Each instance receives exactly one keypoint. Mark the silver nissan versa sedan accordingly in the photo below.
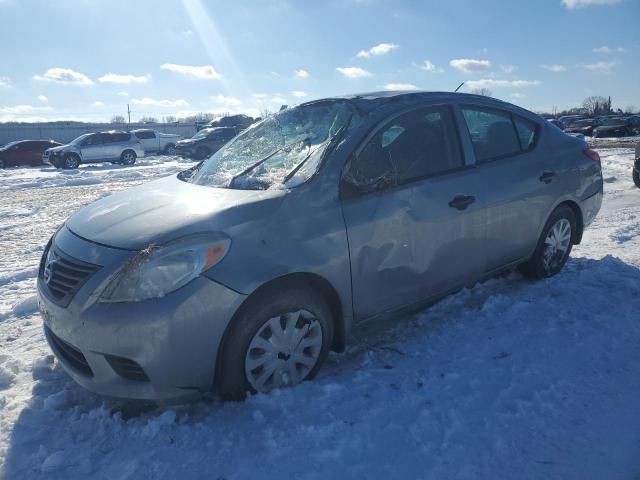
(242, 273)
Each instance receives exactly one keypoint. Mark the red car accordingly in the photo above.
(24, 152)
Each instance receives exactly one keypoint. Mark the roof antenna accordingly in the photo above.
(456, 90)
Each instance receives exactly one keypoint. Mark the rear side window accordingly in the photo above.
(145, 134)
(497, 134)
(415, 145)
(526, 132)
(119, 137)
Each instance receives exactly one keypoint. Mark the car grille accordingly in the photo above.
(69, 353)
(62, 275)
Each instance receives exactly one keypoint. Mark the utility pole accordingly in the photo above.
(129, 115)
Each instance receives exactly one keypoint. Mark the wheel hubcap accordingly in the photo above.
(556, 245)
(283, 351)
(128, 158)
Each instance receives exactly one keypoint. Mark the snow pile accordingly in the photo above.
(510, 379)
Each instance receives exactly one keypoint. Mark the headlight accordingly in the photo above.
(159, 270)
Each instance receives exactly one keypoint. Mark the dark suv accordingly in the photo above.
(205, 143)
(24, 152)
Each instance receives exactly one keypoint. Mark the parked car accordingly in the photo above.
(114, 147)
(157, 142)
(556, 123)
(568, 120)
(204, 143)
(24, 152)
(636, 167)
(584, 126)
(239, 122)
(613, 127)
(241, 273)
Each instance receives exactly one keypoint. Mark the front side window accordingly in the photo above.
(284, 150)
(415, 145)
(492, 133)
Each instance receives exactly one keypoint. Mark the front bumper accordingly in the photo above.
(185, 150)
(173, 340)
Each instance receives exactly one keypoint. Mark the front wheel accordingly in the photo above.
(554, 245)
(278, 340)
(170, 150)
(71, 161)
(128, 157)
(636, 177)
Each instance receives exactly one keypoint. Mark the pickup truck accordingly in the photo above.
(157, 142)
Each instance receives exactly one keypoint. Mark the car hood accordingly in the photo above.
(169, 208)
(60, 148)
(188, 141)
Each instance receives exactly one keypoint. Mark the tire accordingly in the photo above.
(636, 177)
(546, 260)
(170, 150)
(128, 157)
(202, 153)
(306, 310)
(71, 161)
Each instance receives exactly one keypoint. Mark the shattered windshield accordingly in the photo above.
(282, 151)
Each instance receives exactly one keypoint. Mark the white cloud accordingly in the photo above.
(302, 73)
(278, 99)
(205, 72)
(160, 103)
(587, 3)
(64, 75)
(517, 95)
(492, 83)
(601, 67)
(299, 93)
(23, 113)
(224, 100)
(42, 98)
(123, 94)
(97, 103)
(400, 86)
(260, 95)
(508, 68)
(353, 72)
(606, 49)
(380, 49)
(5, 82)
(469, 65)
(124, 79)
(556, 68)
(428, 66)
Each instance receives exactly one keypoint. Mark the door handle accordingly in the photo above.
(462, 201)
(547, 177)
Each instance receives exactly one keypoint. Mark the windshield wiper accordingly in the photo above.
(262, 160)
(329, 142)
(255, 165)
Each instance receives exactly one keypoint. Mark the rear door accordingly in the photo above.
(520, 184)
(414, 221)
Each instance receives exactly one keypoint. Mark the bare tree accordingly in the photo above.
(170, 119)
(597, 105)
(485, 92)
(117, 119)
(265, 112)
(148, 119)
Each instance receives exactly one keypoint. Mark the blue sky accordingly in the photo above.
(86, 59)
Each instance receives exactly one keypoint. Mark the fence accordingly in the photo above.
(64, 133)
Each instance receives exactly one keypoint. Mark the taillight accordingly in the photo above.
(592, 154)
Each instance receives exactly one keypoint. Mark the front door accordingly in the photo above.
(413, 214)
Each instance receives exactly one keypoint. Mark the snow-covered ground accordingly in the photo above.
(511, 379)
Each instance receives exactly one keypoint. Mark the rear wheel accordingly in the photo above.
(278, 340)
(128, 157)
(71, 161)
(636, 177)
(170, 150)
(554, 245)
